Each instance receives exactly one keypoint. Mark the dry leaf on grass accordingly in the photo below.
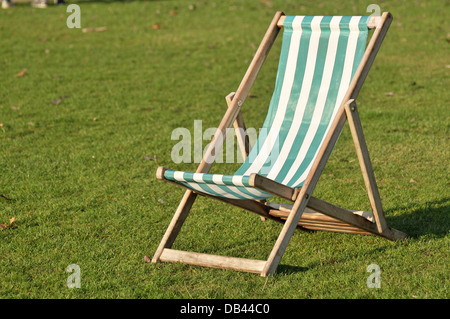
(58, 101)
(21, 73)
(99, 29)
(11, 221)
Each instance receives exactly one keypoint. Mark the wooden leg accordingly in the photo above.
(305, 193)
(240, 129)
(366, 166)
(176, 223)
(283, 239)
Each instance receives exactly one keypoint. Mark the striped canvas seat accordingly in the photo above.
(318, 59)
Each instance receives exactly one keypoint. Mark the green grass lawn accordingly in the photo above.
(80, 132)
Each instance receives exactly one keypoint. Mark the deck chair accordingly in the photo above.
(323, 63)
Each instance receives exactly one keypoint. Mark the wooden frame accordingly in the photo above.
(306, 212)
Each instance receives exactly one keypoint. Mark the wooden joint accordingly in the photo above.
(350, 106)
(160, 172)
(295, 194)
(252, 179)
(230, 97)
(350, 102)
(271, 186)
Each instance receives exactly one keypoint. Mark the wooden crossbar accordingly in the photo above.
(216, 261)
(373, 22)
(317, 221)
(270, 186)
(321, 214)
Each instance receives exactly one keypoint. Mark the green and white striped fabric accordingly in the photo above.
(319, 57)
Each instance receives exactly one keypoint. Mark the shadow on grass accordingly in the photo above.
(289, 269)
(431, 218)
(417, 220)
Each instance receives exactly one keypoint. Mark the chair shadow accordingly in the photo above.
(431, 218)
(421, 219)
(288, 269)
